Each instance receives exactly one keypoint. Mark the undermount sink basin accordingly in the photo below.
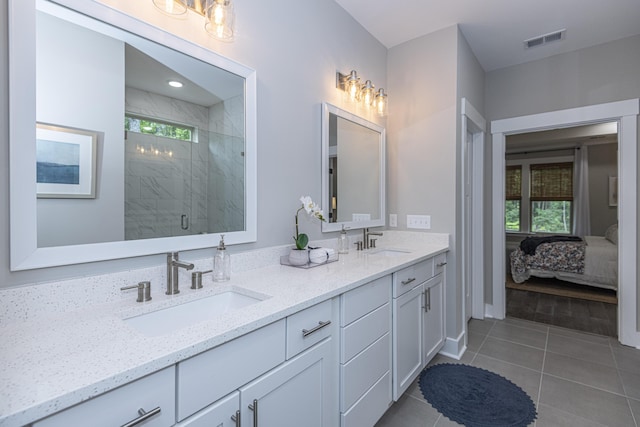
(170, 319)
(389, 252)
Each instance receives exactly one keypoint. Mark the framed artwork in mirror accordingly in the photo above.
(65, 162)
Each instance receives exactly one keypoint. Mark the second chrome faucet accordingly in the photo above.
(173, 264)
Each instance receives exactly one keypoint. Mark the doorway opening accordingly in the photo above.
(625, 113)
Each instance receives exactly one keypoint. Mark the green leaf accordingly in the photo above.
(301, 241)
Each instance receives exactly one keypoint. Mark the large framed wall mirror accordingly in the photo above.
(174, 167)
(353, 170)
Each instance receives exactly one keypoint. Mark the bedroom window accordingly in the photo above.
(551, 197)
(513, 180)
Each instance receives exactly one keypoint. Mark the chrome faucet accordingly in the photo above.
(173, 264)
(366, 234)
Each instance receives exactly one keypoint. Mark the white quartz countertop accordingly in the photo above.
(53, 361)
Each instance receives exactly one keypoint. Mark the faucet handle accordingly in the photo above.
(373, 243)
(196, 279)
(144, 290)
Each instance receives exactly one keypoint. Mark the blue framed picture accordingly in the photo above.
(65, 162)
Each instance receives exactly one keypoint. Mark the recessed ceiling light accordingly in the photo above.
(175, 83)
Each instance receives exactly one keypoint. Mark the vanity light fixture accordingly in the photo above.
(220, 19)
(381, 102)
(365, 93)
(219, 14)
(171, 7)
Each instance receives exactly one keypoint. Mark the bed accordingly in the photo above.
(593, 261)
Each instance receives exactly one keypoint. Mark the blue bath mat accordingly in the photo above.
(476, 397)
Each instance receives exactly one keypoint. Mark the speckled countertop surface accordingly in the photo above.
(52, 361)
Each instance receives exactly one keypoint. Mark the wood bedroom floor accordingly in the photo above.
(585, 315)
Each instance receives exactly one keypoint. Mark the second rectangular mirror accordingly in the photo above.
(353, 170)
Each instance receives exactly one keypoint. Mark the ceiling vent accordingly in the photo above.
(545, 38)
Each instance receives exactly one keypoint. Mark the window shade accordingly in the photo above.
(552, 181)
(513, 181)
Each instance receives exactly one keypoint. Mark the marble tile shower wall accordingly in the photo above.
(203, 181)
(226, 174)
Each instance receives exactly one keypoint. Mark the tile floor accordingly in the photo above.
(574, 378)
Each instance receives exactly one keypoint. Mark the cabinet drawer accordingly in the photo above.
(308, 327)
(364, 331)
(406, 279)
(370, 407)
(439, 261)
(364, 370)
(360, 301)
(218, 415)
(119, 406)
(208, 376)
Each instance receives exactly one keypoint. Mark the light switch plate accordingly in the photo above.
(422, 222)
(393, 220)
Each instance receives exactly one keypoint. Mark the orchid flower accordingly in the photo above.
(312, 210)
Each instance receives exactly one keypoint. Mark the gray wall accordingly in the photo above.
(594, 75)
(603, 163)
(427, 77)
(296, 59)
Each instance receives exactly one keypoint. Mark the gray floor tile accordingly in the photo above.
(635, 409)
(520, 335)
(446, 422)
(580, 349)
(481, 327)
(516, 354)
(526, 379)
(549, 416)
(586, 402)
(598, 339)
(631, 383)
(467, 357)
(627, 358)
(581, 371)
(409, 412)
(525, 324)
(474, 341)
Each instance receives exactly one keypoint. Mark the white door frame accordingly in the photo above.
(473, 122)
(626, 114)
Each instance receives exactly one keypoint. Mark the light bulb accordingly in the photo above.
(368, 96)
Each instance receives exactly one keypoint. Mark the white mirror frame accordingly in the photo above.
(328, 109)
(25, 253)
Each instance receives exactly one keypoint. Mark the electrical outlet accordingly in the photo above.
(393, 220)
(419, 221)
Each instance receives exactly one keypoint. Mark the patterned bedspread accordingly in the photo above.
(558, 256)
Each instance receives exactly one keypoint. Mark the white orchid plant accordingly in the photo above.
(313, 211)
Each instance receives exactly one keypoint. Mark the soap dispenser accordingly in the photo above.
(221, 263)
(343, 242)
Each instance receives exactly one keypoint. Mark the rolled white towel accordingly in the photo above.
(322, 255)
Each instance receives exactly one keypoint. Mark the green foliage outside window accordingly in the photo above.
(551, 216)
(512, 215)
(158, 128)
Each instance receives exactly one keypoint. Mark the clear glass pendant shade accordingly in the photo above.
(220, 19)
(171, 7)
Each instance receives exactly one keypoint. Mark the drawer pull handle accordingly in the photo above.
(236, 418)
(254, 408)
(144, 416)
(307, 332)
(442, 264)
(406, 282)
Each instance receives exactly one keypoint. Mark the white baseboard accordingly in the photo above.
(454, 347)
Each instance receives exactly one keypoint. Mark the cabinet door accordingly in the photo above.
(407, 339)
(218, 414)
(300, 392)
(433, 317)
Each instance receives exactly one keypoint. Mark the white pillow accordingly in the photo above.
(612, 234)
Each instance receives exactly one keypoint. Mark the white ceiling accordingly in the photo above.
(496, 29)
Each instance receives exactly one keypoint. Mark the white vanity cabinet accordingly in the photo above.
(418, 319)
(154, 394)
(365, 353)
(283, 374)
